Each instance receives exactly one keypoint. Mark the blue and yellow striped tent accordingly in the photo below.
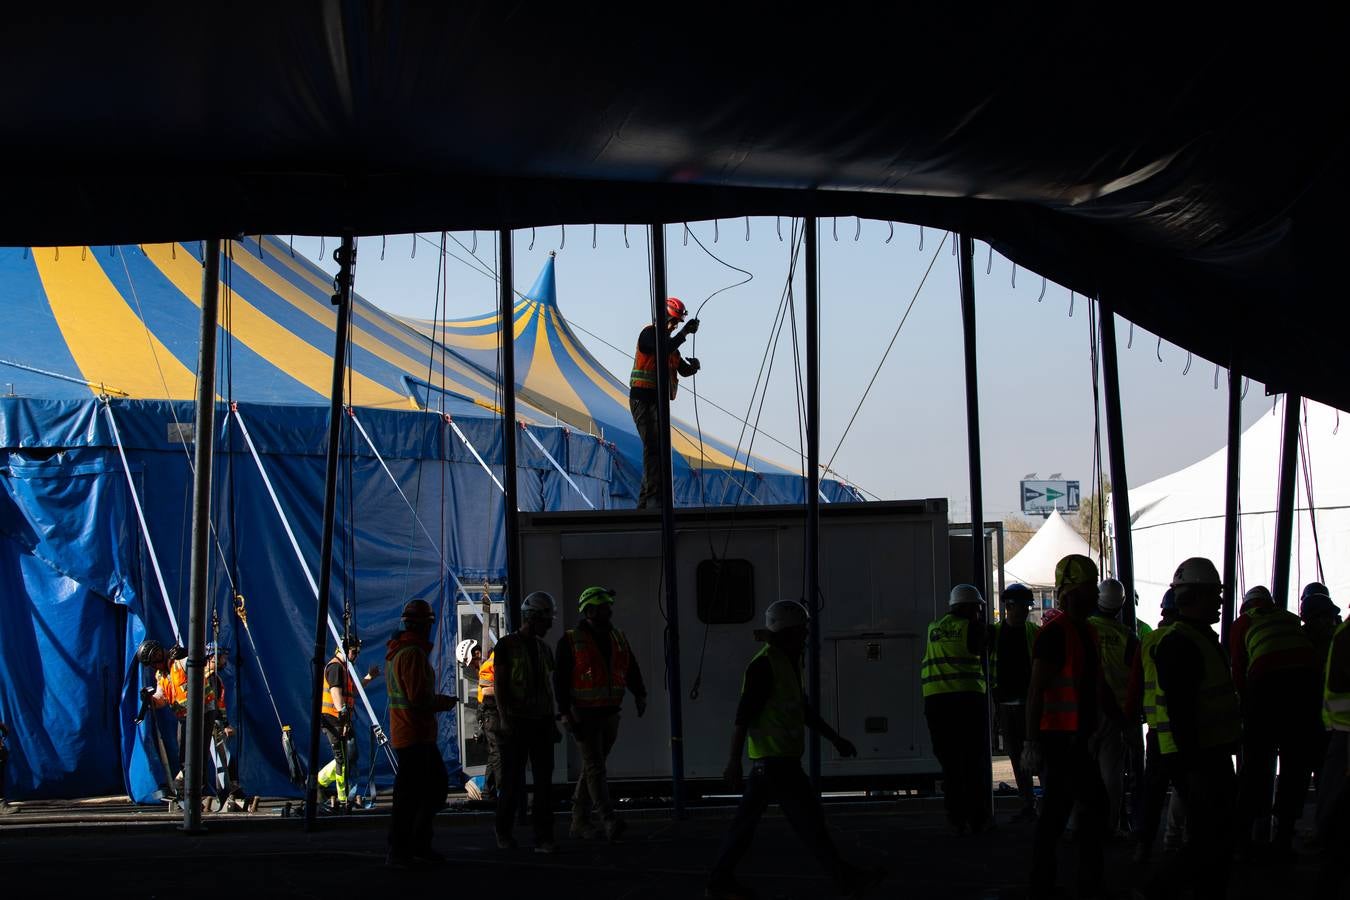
(123, 321)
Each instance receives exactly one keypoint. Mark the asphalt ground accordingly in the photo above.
(120, 851)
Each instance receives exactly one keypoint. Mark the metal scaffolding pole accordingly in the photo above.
(672, 594)
(812, 561)
(194, 757)
(1123, 548)
(346, 260)
(512, 595)
(1230, 521)
(1284, 505)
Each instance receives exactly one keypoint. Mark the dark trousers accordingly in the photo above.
(1282, 717)
(528, 742)
(956, 723)
(646, 418)
(1333, 815)
(1070, 776)
(487, 719)
(1157, 778)
(595, 736)
(419, 793)
(780, 781)
(1012, 724)
(1206, 783)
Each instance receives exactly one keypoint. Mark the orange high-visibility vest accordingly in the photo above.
(644, 371)
(594, 683)
(487, 677)
(1062, 702)
(172, 687)
(348, 688)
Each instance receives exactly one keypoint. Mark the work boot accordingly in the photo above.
(614, 829)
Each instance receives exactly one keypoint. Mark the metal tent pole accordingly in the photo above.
(812, 561)
(346, 260)
(672, 594)
(203, 447)
(1284, 506)
(506, 328)
(1122, 547)
(1230, 521)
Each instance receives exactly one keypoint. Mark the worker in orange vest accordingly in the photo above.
(594, 668)
(642, 399)
(338, 718)
(1062, 710)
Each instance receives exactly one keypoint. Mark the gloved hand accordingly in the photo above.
(641, 703)
(373, 673)
(691, 327)
(694, 363)
(147, 693)
(1033, 758)
(845, 748)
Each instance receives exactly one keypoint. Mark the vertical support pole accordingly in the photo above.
(812, 561)
(965, 261)
(511, 595)
(674, 688)
(346, 260)
(1284, 504)
(1115, 450)
(194, 757)
(1230, 518)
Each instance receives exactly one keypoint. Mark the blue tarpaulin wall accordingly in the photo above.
(77, 591)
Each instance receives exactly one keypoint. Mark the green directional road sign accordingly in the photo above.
(1041, 497)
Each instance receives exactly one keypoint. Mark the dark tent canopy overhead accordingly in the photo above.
(1187, 179)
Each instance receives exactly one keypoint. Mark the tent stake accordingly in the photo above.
(203, 436)
(1230, 519)
(1284, 506)
(674, 690)
(346, 259)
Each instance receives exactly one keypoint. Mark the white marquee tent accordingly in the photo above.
(1034, 564)
(1182, 514)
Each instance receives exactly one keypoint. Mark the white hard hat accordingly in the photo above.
(1196, 571)
(464, 651)
(1257, 596)
(784, 614)
(964, 593)
(539, 603)
(1111, 594)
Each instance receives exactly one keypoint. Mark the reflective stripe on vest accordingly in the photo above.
(1273, 630)
(397, 698)
(1218, 711)
(172, 687)
(532, 690)
(779, 731)
(1059, 711)
(346, 688)
(995, 630)
(644, 371)
(1147, 648)
(948, 666)
(1112, 639)
(487, 677)
(596, 683)
(1336, 705)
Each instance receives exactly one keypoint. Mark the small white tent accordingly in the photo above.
(1182, 514)
(1034, 565)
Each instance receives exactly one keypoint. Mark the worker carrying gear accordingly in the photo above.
(526, 726)
(1061, 717)
(337, 718)
(1010, 644)
(954, 701)
(1199, 725)
(594, 667)
(771, 721)
(642, 399)
(421, 783)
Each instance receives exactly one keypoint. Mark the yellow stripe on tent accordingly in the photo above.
(296, 357)
(106, 337)
(545, 378)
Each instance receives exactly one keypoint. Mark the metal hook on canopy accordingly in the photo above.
(84, 253)
(747, 229)
(473, 248)
(955, 240)
(834, 228)
(1014, 275)
(1045, 283)
(890, 234)
(1070, 304)
(625, 236)
(778, 226)
(563, 244)
(715, 231)
(1187, 368)
(292, 246)
(989, 266)
(920, 238)
(1158, 352)
(1129, 341)
(857, 231)
(531, 238)
(594, 234)
(384, 243)
(260, 249)
(414, 247)
(686, 235)
(1216, 376)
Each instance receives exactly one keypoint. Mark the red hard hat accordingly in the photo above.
(675, 308)
(418, 611)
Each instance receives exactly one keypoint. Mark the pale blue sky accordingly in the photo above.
(909, 440)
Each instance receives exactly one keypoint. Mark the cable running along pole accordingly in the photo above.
(813, 495)
(346, 259)
(1230, 523)
(1115, 451)
(507, 330)
(204, 444)
(672, 598)
(1284, 506)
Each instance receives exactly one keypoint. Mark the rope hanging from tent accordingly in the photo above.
(1305, 455)
(1098, 480)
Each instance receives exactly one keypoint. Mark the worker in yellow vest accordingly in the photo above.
(771, 721)
(1115, 737)
(1199, 725)
(1062, 717)
(594, 668)
(1276, 673)
(1144, 699)
(1333, 782)
(642, 399)
(954, 703)
(1010, 642)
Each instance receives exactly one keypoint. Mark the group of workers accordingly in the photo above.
(1069, 698)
